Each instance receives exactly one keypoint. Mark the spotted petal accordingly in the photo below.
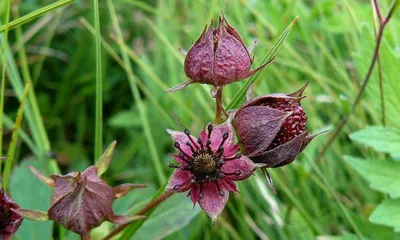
(179, 181)
(212, 202)
(242, 165)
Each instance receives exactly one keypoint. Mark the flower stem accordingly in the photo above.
(342, 123)
(219, 107)
(154, 203)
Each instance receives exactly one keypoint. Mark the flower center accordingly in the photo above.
(204, 164)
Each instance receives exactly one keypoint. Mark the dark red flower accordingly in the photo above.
(208, 167)
(9, 220)
(272, 128)
(218, 57)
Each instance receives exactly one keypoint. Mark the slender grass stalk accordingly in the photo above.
(41, 136)
(98, 139)
(345, 119)
(3, 77)
(33, 15)
(376, 13)
(22, 134)
(14, 139)
(135, 91)
(52, 29)
(142, 87)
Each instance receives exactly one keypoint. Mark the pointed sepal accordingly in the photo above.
(123, 189)
(48, 181)
(34, 215)
(104, 162)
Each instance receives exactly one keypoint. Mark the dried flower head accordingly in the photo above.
(272, 128)
(208, 167)
(9, 220)
(218, 57)
(82, 201)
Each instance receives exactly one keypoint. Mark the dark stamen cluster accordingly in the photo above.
(204, 163)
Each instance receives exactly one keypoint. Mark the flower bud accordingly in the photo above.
(82, 201)
(218, 57)
(272, 128)
(9, 220)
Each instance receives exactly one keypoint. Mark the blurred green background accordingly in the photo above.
(330, 46)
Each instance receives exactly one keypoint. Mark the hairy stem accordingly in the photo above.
(219, 107)
(154, 203)
(342, 123)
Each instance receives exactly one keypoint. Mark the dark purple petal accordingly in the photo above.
(283, 154)
(182, 139)
(203, 136)
(199, 59)
(231, 150)
(238, 169)
(257, 126)
(195, 193)
(212, 201)
(178, 159)
(9, 219)
(179, 181)
(229, 185)
(217, 136)
(232, 60)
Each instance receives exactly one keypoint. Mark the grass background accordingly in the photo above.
(330, 46)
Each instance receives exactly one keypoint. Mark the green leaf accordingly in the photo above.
(382, 175)
(381, 139)
(388, 213)
(30, 193)
(270, 55)
(169, 217)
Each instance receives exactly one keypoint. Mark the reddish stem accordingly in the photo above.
(142, 211)
(345, 119)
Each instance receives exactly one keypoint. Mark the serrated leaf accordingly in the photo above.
(30, 193)
(270, 55)
(388, 213)
(381, 139)
(382, 175)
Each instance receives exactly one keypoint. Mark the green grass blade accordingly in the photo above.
(142, 109)
(98, 139)
(3, 76)
(22, 134)
(35, 14)
(271, 54)
(14, 139)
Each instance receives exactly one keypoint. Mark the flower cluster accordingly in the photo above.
(271, 129)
